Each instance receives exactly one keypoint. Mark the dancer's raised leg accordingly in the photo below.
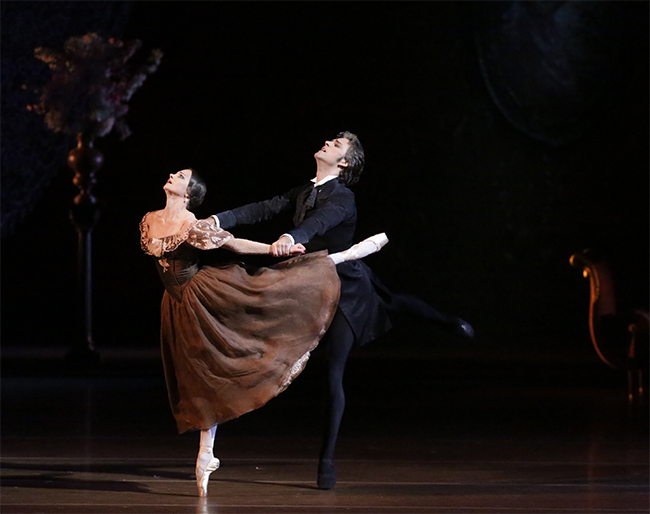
(402, 308)
(206, 462)
(360, 250)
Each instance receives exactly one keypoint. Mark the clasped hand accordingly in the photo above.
(283, 248)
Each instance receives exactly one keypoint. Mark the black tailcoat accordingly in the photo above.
(329, 225)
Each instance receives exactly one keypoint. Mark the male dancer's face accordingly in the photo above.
(333, 152)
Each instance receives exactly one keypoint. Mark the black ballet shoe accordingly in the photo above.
(464, 329)
(326, 474)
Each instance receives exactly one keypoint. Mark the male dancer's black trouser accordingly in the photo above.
(339, 341)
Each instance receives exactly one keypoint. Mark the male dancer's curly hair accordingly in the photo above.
(356, 159)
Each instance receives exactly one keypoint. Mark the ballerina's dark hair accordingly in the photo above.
(356, 158)
(196, 190)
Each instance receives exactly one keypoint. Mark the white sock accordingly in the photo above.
(360, 250)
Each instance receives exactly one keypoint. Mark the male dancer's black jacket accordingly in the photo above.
(329, 225)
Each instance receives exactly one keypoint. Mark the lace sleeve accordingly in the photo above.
(148, 245)
(204, 236)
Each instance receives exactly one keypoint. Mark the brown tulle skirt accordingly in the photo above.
(238, 338)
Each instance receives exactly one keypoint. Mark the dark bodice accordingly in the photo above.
(182, 265)
(177, 256)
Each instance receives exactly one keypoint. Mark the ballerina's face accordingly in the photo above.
(178, 182)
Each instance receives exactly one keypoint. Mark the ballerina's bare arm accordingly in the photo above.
(253, 247)
(205, 235)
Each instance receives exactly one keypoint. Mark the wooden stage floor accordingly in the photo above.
(418, 437)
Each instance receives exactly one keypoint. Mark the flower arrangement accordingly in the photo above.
(91, 85)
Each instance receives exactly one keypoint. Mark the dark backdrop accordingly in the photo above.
(500, 138)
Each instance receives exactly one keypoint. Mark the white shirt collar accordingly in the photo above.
(326, 179)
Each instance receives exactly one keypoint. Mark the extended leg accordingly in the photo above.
(405, 305)
(339, 340)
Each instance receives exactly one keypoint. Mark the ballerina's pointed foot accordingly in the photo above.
(380, 240)
(360, 250)
(368, 246)
(203, 475)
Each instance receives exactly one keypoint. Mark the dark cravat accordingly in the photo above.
(307, 204)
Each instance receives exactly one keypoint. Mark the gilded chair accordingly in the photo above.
(619, 334)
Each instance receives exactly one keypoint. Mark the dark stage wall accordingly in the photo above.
(500, 138)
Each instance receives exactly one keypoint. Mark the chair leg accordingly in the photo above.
(632, 393)
(640, 387)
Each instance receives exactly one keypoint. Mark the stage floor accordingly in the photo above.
(418, 437)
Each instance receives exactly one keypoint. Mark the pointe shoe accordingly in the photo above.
(326, 474)
(360, 250)
(203, 475)
(380, 240)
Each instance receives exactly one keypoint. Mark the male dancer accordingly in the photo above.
(325, 219)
